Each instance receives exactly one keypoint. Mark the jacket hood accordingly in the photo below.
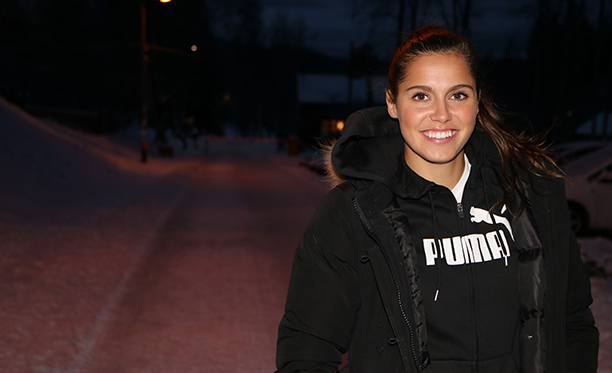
(371, 148)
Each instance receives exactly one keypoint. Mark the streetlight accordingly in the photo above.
(144, 117)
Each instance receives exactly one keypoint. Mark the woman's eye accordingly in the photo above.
(420, 96)
(459, 96)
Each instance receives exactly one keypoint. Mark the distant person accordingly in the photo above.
(445, 246)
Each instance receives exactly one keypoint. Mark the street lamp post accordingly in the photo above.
(144, 111)
(144, 115)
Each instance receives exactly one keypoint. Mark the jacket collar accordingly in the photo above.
(371, 148)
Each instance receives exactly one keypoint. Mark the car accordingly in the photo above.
(588, 187)
(568, 151)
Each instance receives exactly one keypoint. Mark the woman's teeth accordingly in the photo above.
(439, 134)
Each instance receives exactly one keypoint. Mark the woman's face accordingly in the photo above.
(436, 105)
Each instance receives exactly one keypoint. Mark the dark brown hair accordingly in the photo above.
(519, 152)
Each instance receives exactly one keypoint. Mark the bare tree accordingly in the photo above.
(568, 73)
(456, 14)
(412, 14)
(287, 34)
(396, 10)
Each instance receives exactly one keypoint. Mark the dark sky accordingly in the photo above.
(493, 24)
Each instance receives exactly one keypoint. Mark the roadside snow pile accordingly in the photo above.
(597, 255)
(47, 167)
(40, 165)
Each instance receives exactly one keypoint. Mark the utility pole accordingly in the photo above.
(144, 111)
(351, 72)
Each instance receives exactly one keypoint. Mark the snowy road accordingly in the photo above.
(181, 276)
(180, 265)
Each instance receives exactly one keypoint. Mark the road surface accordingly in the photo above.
(185, 273)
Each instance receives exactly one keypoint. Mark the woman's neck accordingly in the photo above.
(446, 174)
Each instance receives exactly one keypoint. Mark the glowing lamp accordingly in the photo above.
(340, 125)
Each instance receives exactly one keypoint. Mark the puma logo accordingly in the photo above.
(483, 216)
(472, 248)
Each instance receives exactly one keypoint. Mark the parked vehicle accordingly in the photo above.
(569, 151)
(589, 190)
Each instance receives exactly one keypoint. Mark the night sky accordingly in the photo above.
(494, 24)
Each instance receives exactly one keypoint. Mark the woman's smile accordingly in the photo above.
(437, 134)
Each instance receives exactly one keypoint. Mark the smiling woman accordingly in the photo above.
(447, 246)
(436, 106)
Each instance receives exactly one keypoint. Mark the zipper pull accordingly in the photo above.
(460, 210)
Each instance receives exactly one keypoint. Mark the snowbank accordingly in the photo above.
(46, 166)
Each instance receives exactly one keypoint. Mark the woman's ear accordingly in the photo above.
(391, 107)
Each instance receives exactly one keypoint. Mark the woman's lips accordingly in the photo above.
(434, 134)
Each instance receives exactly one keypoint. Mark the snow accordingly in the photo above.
(597, 253)
(48, 168)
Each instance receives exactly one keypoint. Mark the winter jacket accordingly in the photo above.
(355, 285)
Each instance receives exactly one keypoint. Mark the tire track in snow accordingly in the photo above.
(81, 358)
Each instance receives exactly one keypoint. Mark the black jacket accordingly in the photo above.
(355, 280)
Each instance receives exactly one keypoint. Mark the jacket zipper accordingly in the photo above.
(472, 300)
(395, 281)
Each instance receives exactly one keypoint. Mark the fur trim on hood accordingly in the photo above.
(333, 177)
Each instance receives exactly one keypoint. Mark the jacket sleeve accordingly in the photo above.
(582, 337)
(323, 298)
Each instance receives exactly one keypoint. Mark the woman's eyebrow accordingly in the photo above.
(458, 86)
(429, 89)
(420, 87)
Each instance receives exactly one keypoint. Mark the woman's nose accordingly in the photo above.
(440, 112)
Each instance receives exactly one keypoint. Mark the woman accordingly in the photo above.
(448, 248)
